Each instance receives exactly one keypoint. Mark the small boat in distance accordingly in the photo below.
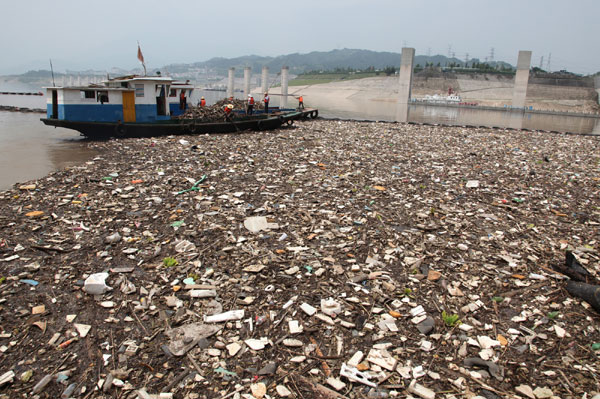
(436, 98)
(145, 106)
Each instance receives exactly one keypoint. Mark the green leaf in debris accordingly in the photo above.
(450, 320)
(170, 262)
(497, 299)
(177, 223)
(2, 280)
(596, 346)
(552, 315)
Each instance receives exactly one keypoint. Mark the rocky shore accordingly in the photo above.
(327, 259)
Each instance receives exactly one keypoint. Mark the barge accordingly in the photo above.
(146, 106)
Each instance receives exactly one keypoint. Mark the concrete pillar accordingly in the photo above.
(265, 79)
(247, 73)
(521, 79)
(230, 82)
(597, 86)
(405, 83)
(406, 71)
(284, 87)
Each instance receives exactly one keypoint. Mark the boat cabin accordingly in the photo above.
(124, 99)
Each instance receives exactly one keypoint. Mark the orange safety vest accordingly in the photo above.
(202, 102)
(266, 99)
(251, 101)
(301, 99)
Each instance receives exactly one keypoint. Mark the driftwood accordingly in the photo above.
(312, 389)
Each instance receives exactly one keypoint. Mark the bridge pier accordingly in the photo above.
(284, 86)
(405, 83)
(521, 79)
(230, 81)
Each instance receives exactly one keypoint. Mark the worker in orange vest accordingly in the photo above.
(182, 100)
(250, 107)
(266, 101)
(202, 102)
(227, 110)
(301, 102)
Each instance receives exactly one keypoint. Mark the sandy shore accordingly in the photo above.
(380, 93)
(417, 254)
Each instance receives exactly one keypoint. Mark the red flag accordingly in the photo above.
(140, 55)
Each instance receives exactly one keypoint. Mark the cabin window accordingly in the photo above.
(124, 85)
(102, 97)
(173, 93)
(139, 90)
(88, 94)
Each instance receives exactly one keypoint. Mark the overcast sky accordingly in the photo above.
(83, 34)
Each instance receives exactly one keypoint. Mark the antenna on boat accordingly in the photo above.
(52, 70)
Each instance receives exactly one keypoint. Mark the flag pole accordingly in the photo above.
(52, 70)
(140, 57)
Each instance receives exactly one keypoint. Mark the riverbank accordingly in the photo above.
(435, 245)
(493, 91)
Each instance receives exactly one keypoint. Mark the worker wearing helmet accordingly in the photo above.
(266, 101)
(228, 108)
(202, 102)
(250, 107)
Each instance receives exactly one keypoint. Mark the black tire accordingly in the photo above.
(120, 130)
(314, 114)
(290, 122)
(259, 125)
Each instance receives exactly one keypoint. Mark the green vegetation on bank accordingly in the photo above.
(339, 74)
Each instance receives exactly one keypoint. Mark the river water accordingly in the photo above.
(30, 150)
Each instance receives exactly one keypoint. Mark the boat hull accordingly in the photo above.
(105, 130)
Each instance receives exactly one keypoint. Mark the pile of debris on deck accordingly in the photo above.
(216, 112)
(330, 259)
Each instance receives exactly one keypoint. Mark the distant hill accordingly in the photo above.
(316, 61)
(298, 63)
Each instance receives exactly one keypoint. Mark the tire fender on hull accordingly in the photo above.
(120, 130)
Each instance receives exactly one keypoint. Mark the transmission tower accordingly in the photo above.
(542, 62)
(549, 57)
(428, 51)
(492, 54)
(449, 51)
(466, 59)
